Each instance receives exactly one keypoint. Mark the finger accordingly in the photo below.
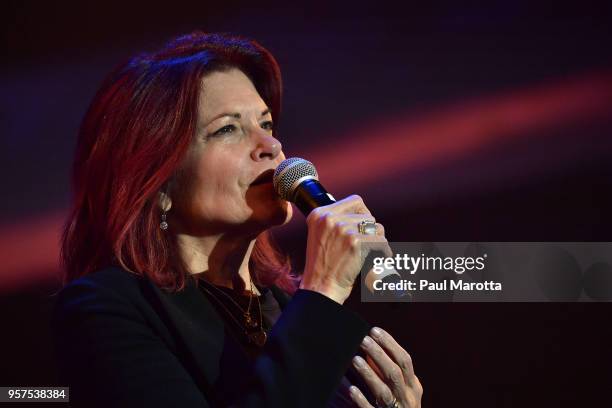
(397, 353)
(374, 242)
(379, 389)
(418, 387)
(392, 374)
(351, 223)
(351, 204)
(355, 218)
(374, 367)
(352, 219)
(335, 213)
(358, 398)
(381, 243)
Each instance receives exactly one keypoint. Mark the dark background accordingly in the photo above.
(456, 122)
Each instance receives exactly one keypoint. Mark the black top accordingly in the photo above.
(122, 341)
(231, 306)
(270, 312)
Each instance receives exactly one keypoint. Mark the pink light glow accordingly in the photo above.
(30, 249)
(415, 141)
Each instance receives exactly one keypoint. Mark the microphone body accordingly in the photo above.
(309, 195)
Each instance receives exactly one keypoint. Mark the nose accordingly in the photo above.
(267, 147)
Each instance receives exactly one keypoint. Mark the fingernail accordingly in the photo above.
(367, 341)
(359, 362)
(376, 332)
(353, 390)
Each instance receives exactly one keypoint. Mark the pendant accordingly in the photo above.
(249, 322)
(259, 338)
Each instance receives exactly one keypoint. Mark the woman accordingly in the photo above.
(175, 294)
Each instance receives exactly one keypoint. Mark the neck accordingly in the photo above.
(220, 259)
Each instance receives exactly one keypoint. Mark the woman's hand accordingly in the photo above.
(388, 372)
(333, 252)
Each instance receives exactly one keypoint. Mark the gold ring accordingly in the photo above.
(392, 404)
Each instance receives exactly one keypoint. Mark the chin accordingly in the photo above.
(273, 215)
(283, 214)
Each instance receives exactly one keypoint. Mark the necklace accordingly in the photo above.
(248, 319)
(257, 337)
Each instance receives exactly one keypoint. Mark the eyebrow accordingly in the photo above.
(235, 115)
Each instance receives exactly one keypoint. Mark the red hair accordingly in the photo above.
(132, 141)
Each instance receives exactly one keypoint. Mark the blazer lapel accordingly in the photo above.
(197, 328)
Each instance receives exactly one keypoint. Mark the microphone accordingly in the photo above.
(296, 180)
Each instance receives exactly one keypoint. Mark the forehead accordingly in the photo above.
(229, 90)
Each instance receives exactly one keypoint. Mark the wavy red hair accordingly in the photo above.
(131, 142)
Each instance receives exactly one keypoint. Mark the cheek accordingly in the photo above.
(217, 184)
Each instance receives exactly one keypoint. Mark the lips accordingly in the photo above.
(264, 178)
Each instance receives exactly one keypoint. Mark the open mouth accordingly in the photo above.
(264, 178)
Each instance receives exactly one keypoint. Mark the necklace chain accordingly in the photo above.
(259, 337)
(247, 313)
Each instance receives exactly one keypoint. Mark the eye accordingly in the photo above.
(268, 125)
(224, 130)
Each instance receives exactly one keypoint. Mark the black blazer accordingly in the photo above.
(121, 341)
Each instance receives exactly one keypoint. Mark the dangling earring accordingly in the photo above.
(163, 224)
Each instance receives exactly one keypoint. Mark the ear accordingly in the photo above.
(165, 202)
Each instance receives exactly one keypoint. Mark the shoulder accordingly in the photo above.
(112, 277)
(99, 290)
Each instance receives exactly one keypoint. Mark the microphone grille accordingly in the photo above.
(289, 172)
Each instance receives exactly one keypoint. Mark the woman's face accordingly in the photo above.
(233, 146)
